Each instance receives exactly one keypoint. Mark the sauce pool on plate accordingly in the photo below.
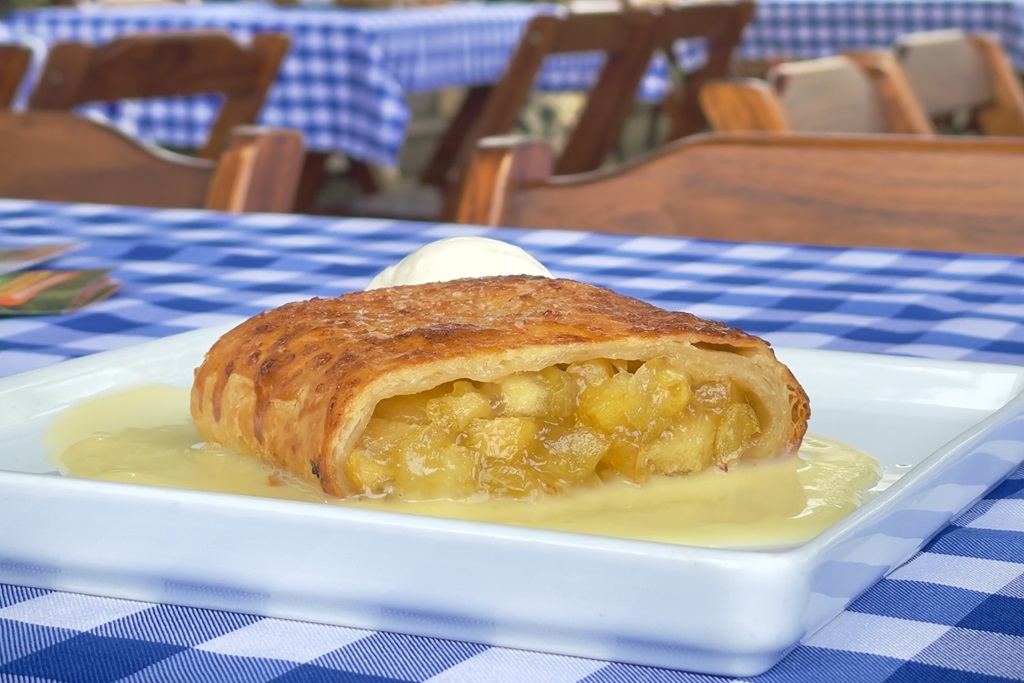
(146, 436)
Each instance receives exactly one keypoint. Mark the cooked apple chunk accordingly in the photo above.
(535, 433)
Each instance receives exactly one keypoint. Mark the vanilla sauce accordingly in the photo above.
(146, 436)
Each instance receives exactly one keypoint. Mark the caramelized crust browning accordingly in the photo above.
(297, 386)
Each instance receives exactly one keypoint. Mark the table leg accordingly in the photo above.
(363, 176)
(310, 182)
(314, 176)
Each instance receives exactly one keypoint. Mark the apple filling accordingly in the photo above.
(537, 433)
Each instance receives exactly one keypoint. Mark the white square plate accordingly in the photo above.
(729, 612)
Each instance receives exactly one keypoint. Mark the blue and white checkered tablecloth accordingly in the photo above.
(345, 79)
(953, 613)
(800, 29)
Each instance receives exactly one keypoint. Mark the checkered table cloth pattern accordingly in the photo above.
(344, 81)
(954, 612)
(801, 29)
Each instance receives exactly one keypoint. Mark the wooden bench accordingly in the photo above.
(907, 192)
(57, 156)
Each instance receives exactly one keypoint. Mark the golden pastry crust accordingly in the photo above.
(297, 385)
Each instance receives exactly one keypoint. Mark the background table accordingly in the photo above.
(800, 29)
(345, 81)
(955, 612)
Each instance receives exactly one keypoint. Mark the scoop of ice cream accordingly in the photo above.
(458, 257)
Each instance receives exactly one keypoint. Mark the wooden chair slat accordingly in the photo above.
(149, 65)
(15, 61)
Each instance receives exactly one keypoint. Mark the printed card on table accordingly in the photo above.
(47, 292)
(13, 259)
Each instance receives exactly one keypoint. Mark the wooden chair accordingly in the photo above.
(628, 35)
(625, 35)
(857, 92)
(627, 38)
(15, 61)
(720, 24)
(907, 192)
(150, 65)
(959, 75)
(58, 156)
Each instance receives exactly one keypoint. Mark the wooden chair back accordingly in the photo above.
(15, 61)
(954, 73)
(720, 24)
(906, 192)
(625, 35)
(59, 156)
(857, 92)
(149, 65)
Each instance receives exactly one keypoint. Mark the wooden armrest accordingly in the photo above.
(259, 170)
(742, 104)
(497, 163)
